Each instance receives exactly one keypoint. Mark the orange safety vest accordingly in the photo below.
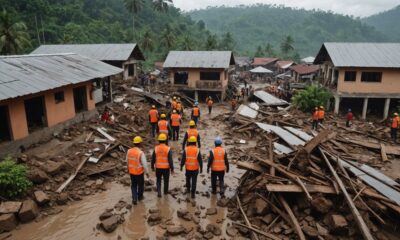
(315, 115)
(162, 151)
(192, 132)
(210, 103)
(196, 112)
(174, 104)
(175, 120)
(179, 106)
(219, 159)
(321, 114)
(135, 166)
(153, 115)
(192, 153)
(163, 126)
(395, 122)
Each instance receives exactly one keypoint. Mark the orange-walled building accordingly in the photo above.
(41, 91)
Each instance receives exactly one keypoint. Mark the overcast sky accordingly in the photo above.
(359, 8)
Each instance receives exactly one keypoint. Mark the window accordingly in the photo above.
(130, 70)
(59, 96)
(371, 77)
(350, 76)
(214, 76)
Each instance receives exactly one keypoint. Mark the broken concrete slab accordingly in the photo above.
(54, 168)
(175, 230)
(28, 212)
(110, 224)
(10, 207)
(37, 176)
(41, 198)
(8, 222)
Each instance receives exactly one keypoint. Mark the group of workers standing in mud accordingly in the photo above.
(167, 128)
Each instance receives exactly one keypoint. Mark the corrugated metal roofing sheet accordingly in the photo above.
(27, 74)
(260, 69)
(199, 59)
(102, 52)
(305, 69)
(263, 61)
(282, 133)
(269, 99)
(385, 55)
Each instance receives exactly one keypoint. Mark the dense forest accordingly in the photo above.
(264, 26)
(387, 22)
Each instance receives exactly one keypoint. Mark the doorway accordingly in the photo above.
(5, 130)
(80, 99)
(35, 113)
(181, 78)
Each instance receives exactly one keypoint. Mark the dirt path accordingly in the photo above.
(78, 220)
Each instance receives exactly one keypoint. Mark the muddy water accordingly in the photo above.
(78, 220)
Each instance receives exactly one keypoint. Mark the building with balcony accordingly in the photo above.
(127, 56)
(363, 76)
(200, 72)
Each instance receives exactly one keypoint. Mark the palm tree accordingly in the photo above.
(187, 43)
(168, 37)
(259, 52)
(269, 50)
(134, 6)
(227, 43)
(161, 5)
(211, 42)
(287, 45)
(13, 35)
(147, 40)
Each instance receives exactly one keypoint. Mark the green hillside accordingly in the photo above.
(387, 22)
(259, 24)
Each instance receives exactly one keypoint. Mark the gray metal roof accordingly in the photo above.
(27, 74)
(199, 59)
(383, 55)
(102, 52)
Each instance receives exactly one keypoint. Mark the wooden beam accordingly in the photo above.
(383, 153)
(295, 188)
(294, 222)
(250, 166)
(322, 136)
(265, 234)
(245, 217)
(356, 214)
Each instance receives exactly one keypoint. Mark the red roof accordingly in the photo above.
(305, 69)
(263, 61)
(284, 64)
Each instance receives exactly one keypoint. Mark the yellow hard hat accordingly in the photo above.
(163, 115)
(322, 107)
(192, 123)
(162, 137)
(174, 97)
(192, 139)
(174, 111)
(153, 106)
(137, 140)
(395, 114)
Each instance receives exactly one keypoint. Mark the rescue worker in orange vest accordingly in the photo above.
(162, 162)
(175, 121)
(153, 119)
(196, 112)
(321, 115)
(179, 107)
(394, 126)
(163, 126)
(315, 116)
(191, 159)
(174, 103)
(137, 167)
(218, 162)
(191, 132)
(210, 104)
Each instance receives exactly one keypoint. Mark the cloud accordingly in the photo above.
(358, 8)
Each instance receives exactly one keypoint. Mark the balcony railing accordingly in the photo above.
(208, 84)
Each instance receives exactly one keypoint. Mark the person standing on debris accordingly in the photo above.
(162, 162)
(321, 115)
(210, 104)
(191, 132)
(218, 162)
(176, 121)
(174, 103)
(153, 119)
(233, 104)
(243, 92)
(191, 159)
(315, 119)
(179, 107)
(163, 126)
(137, 167)
(394, 126)
(196, 112)
(349, 118)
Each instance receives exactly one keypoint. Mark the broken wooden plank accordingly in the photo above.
(101, 170)
(383, 153)
(245, 217)
(356, 214)
(395, 150)
(105, 134)
(265, 234)
(88, 136)
(312, 188)
(294, 222)
(250, 166)
(322, 136)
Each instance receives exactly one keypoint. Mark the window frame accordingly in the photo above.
(350, 72)
(369, 81)
(208, 73)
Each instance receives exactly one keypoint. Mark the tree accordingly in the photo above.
(259, 52)
(211, 42)
(147, 40)
(310, 97)
(168, 37)
(187, 43)
(227, 42)
(269, 50)
(287, 45)
(13, 35)
(134, 6)
(161, 5)
(201, 24)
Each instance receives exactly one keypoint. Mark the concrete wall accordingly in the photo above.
(19, 125)
(390, 82)
(59, 112)
(194, 76)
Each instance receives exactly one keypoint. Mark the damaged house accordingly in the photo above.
(40, 94)
(200, 72)
(127, 56)
(363, 76)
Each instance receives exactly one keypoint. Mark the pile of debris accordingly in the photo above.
(312, 185)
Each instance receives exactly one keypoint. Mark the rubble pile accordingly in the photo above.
(307, 184)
